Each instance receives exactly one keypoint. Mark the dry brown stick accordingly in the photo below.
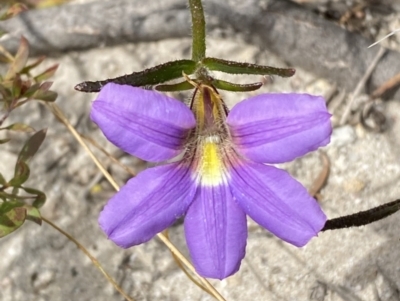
(91, 257)
(361, 84)
(110, 156)
(385, 37)
(322, 177)
(336, 102)
(386, 86)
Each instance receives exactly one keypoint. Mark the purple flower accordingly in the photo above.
(219, 176)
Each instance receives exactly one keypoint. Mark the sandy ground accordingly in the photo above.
(37, 263)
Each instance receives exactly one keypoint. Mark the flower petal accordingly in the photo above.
(216, 232)
(276, 128)
(148, 204)
(276, 201)
(144, 123)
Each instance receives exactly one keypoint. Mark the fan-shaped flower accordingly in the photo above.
(220, 175)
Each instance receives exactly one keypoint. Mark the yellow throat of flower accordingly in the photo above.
(211, 169)
(210, 136)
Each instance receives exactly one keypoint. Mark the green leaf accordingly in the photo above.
(20, 59)
(149, 77)
(2, 180)
(2, 141)
(21, 174)
(245, 68)
(8, 206)
(6, 196)
(14, 197)
(33, 214)
(36, 63)
(45, 86)
(40, 196)
(45, 95)
(31, 146)
(12, 220)
(14, 194)
(46, 74)
(39, 201)
(182, 86)
(19, 127)
(32, 90)
(4, 92)
(224, 85)
(16, 87)
(13, 215)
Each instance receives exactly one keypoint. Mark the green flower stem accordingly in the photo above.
(198, 30)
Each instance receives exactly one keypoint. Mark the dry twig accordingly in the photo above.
(361, 84)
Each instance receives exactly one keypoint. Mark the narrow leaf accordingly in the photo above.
(16, 86)
(4, 91)
(364, 217)
(182, 86)
(46, 74)
(152, 76)
(33, 214)
(36, 63)
(8, 206)
(14, 197)
(19, 127)
(40, 198)
(21, 174)
(224, 85)
(245, 68)
(39, 201)
(49, 96)
(2, 180)
(32, 90)
(45, 86)
(20, 59)
(31, 146)
(2, 141)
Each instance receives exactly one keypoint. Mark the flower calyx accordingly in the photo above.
(159, 77)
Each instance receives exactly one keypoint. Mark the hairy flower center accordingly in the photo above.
(209, 137)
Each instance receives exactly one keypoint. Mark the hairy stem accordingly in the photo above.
(198, 30)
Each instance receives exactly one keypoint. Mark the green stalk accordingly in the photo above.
(198, 30)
